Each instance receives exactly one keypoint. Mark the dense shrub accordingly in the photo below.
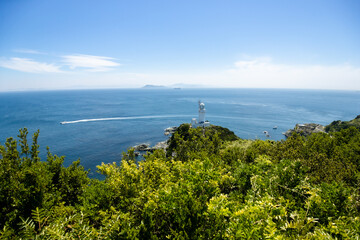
(204, 187)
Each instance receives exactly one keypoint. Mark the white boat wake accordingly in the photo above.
(123, 118)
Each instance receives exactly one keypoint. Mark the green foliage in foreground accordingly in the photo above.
(206, 188)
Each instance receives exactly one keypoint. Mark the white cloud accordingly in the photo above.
(28, 65)
(83, 62)
(91, 63)
(29, 51)
(250, 64)
(263, 72)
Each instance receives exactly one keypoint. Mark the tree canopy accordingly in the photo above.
(207, 185)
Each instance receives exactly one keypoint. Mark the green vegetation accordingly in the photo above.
(336, 126)
(204, 187)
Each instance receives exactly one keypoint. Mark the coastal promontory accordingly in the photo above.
(305, 129)
(308, 128)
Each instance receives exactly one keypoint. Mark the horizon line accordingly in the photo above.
(170, 88)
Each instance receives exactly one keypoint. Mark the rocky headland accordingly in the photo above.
(305, 129)
(144, 147)
(223, 133)
(338, 125)
(309, 128)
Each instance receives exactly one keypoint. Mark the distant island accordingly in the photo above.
(174, 86)
(153, 86)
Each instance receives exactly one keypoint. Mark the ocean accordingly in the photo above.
(101, 124)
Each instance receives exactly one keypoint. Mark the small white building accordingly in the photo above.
(201, 122)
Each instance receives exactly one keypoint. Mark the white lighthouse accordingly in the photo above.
(201, 122)
(201, 112)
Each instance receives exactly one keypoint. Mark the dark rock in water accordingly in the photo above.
(137, 154)
(305, 129)
(141, 147)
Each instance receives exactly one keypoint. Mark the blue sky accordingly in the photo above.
(120, 44)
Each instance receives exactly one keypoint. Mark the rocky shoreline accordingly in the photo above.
(170, 130)
(305, 129)
(302, 129)
(143, 148)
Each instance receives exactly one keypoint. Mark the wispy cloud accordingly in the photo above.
(28, 51)
(82, 62)
(28, 65)
(263, 72)
(90, 63)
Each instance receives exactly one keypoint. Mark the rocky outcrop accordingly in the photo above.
(141, 147)
(146, 147)
(305, 129)
(160, 145)
(170, 130)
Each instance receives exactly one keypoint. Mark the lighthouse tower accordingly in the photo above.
(201, 113)
(201, 121)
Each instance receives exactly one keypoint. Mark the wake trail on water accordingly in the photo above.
(122, 118)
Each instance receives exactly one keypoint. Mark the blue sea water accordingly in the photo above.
(117, 119)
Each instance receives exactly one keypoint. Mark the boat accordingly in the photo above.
(275, 127)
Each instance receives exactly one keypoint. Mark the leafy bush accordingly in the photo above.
(202, 188)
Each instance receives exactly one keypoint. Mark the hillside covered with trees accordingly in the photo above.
(338, 125)
(208, 185)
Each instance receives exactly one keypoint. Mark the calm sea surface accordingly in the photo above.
(140, 116)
